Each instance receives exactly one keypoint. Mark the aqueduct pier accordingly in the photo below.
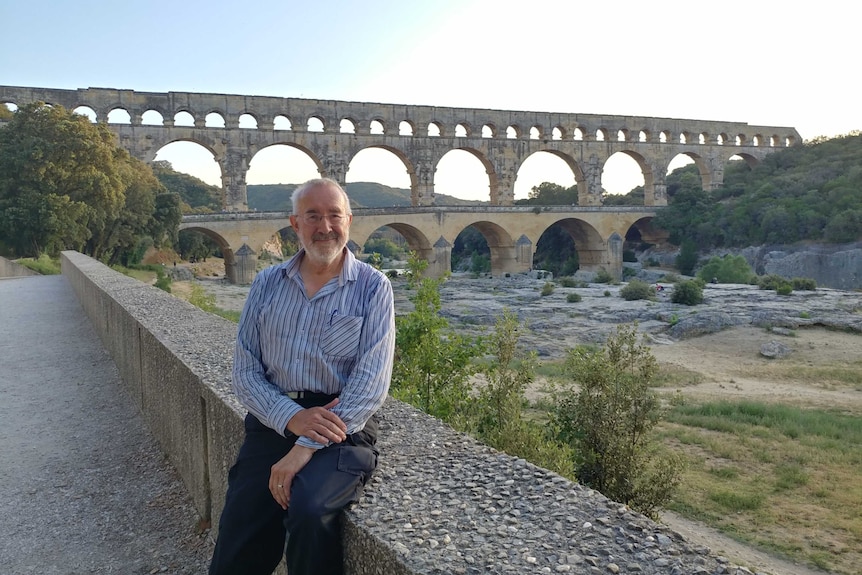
(331, 132)
(512, 233)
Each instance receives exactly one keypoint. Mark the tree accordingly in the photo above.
(432, 362)
(64, 184)
(728, 269)
(549, 194)
(606, 415)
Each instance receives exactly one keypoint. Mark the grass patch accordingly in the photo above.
(673, 375)
(44, 265)
(770, 475)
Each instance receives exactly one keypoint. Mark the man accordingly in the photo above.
(312, 364)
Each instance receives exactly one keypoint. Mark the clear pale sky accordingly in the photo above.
(758, 61)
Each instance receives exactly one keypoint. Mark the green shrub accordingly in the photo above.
(784, 289)
(802, 284)
(775, 282)
(637, 289)
(727, 269)
(687, 259)
(629, 273)
(606, 414)
(607, 293)
(573, 297)
(603, 276)
(688, 292)
(569, 282)
(548, 288)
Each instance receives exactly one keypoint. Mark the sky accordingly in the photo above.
(762, 62)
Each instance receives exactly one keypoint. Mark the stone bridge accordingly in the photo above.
(512, 233)
(235, 127)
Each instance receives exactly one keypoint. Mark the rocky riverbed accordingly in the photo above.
(720, 341)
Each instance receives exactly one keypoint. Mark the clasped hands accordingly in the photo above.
(316, 423)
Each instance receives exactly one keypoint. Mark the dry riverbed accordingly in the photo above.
(727, 363)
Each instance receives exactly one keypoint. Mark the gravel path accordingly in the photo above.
(84, 487)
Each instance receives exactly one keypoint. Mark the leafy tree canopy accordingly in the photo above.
(65, 184)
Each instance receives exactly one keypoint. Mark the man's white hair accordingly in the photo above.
(299, 192)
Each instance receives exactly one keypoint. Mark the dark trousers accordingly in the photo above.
(254, 530)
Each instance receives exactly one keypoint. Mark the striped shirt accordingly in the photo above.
(341, 341)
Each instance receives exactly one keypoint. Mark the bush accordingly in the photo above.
(548, 288)
(570, 282)
(606, 415)
(687, 258)
(629, 273)
(603, 276)
(573, 297)
(727, 270)
(688, 292)
(775, 282)
(803, 284)
(637, 289)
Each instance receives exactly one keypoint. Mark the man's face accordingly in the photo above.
(322, 223)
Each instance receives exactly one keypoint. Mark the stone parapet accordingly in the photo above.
(440, 502)
(10, 269)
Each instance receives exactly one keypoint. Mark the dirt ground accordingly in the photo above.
(731, 367)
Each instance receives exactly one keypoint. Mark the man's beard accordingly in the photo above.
(325, 252)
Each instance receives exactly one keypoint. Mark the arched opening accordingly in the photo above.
(214, 120)
(579, 135)
(11, 107)
(152, 118)
(539, 168)
(273, 173)
(184, 119)
(470, 252)
(601, 136)
(535, 133)
(512, 133)
(461, 131)
(622, 136)
(488, 131)
(376, 127)
(315, 124)
(347, 126)
(621, 174)
(434, 130)
(388, 249)
(379, 165)
(86, 111)
(193, 159)
(119, 116)
(247, 122)
(405, 128)
(556, 252)
(643, 136)
(557, 134)
(462, 176)
(281, 122)
(664, 137)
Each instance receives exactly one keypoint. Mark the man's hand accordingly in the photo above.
(319, 424)
(282, 473)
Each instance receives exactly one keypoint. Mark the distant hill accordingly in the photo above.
(276, 197)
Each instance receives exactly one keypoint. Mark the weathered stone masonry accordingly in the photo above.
(419, 136)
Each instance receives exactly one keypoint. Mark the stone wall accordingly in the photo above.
(440, 502)
(10, 269)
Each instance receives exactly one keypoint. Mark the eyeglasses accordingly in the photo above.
(315, 219)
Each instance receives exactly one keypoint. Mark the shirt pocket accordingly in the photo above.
(341, 336)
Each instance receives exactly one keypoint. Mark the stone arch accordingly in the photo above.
(397, 153)
(126, 117)
(589, 245)
(646, 172)
(501, 245)
(568, 160)
(347, 125)
(87, 111)
(493, 176)
(215, 119)
(148, 118)
(231, 269)
(406, 128)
